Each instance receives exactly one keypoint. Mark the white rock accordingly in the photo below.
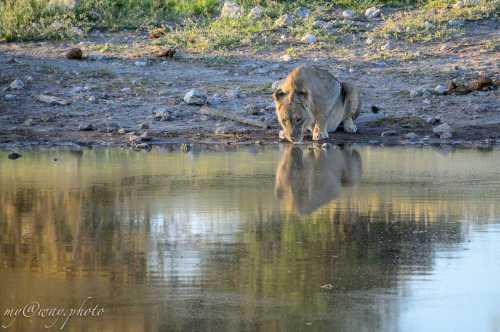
(141, 63)
(443, 131)
(286, 57)
(411, 136)
(16, 84)
(349, 14)
(369, 41)
(230, 10)
(284, 21)
(9, 97)
(214, 99)
(302, 12)
(387, 46)
(372, 13)
(195, 97)
(309, 39)
(256, 12)
(440, 89)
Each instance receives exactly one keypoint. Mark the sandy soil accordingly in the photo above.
(113, 96)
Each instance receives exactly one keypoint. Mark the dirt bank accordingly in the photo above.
(125, 90)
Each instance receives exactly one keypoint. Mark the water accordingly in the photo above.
(360, 239)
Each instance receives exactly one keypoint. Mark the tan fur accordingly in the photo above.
(311, 98)
(308, 179)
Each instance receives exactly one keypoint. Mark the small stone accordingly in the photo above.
(92, 99)
(230, 10)
(369, 41)
(372, 12)
(256, 12)
(161, 116)
(389, 133)
(122, 131)
(28, 122)
(326, 286)
(440, 89)
(143, 125)
(142, 146)
(10, 97)
(141, 63)
(86, 127)
(349, 14)
(428, 25)
(319, 24)
(214, 99)
(309, 39)
(14, 155)
(16, 84)
(444, 131)
(411, 136)
(302, 12)
(74, 54)
(387, 46)
(286, 57)
(284, 21)
(195, 97)
(29, 79)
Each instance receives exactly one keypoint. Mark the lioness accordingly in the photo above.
(311, 98)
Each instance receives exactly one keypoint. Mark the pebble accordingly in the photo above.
(349, 14)
(309, 39)
(388, 133)
(256, 12)
(302, 12)
(444, 131)
(411, 136)
(372, 12)
(230, 10)
(86, 127)
(16, 84)
(195, 97)
(10, 97)
(440, 89)
(284, 21)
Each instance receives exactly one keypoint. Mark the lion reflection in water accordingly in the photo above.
(306, 179)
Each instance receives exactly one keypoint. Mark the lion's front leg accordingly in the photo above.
(320, 130)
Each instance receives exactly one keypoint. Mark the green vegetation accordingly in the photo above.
(197, 26)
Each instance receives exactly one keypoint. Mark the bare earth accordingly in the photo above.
(112, 93)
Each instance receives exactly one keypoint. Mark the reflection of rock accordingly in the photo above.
(308, 179)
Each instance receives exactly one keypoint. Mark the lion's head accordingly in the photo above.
(292, 100)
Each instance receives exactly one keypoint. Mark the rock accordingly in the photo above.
(420, 91)
(143, 125)
(326, 286)
(141, 63)
(309, 39)
(29, 79)
(142, 146)
(286, 57)
(86, 127)
(214, 99)
(14, 155)
(440, 89)
(326, 146)
(145, 137)
(444, 131)
(195, 97)
(9, 97)
(256, 12)
(161, 116)
(387, 46)
(52, 100)
(369, 41)
(349, 14)
(16, 84)
(74, 54)
(372, 12)
(276, 84)
(319, 24)
(389, 133)
(435, 120)
(230, 10)
(411, 136)
(167, 52)
(284, 21)
(122, 131)
(92, 99)
(302, 12)
(28, 122)
(429, 25)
